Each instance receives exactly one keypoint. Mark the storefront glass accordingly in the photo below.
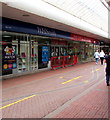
(24, 53)
(59, 48)
(33, 53)
(20, 53)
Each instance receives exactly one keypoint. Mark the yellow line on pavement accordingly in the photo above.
(61, 77)
(71, 80)
(95, 70)
(17, 101)
(86, 81)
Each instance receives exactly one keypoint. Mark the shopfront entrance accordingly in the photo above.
(43, 52)
(22, 53)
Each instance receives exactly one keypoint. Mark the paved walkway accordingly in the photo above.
(92, 103)
(74, 92)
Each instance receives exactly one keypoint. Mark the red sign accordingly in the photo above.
(82, 38)
(58, 42)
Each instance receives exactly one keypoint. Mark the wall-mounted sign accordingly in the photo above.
(46, 31)
(22, 27)
(81, 38)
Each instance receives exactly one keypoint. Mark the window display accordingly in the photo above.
(22, 50)
(23, 59)
(27, 53)
(34, 54)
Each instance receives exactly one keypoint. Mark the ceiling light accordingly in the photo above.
(6, 36)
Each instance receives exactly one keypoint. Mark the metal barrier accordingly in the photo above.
(57, 61)
(63, 61)
(68, 60)
(75, 59)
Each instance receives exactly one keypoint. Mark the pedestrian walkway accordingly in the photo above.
(92, 103)
(74, 92)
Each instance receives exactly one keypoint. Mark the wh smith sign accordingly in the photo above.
(22, 27)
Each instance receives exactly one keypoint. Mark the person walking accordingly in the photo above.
(102, 55)
(107, 61)
(97, 56)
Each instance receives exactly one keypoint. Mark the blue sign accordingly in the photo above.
(22, 27)
(45, 54)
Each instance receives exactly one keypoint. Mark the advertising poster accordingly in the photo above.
(9, 57)
(45, 54)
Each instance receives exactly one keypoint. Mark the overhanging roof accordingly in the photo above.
(49, 15)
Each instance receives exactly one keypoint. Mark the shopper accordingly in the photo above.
(102, 55)
(97, 56)
(107, 60)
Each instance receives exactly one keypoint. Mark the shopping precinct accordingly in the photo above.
(28, 47)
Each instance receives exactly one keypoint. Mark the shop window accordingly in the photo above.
(33, 53)
(23, 54)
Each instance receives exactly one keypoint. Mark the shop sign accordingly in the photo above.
(9, 57)
(28, 28)
(45, 54)
(58, 42)
(81, 38)
(45, 31)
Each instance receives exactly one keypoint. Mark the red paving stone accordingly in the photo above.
(36, 76)
(92, 105)
(52, 95)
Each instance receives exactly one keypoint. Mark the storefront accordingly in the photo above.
(27, 48)
(84, 47)
(105, 47)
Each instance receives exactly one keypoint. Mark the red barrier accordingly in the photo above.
(68, 60)
(63, 61)
(75, 59)
(57, 62)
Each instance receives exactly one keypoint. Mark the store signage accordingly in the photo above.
(81, 38)
(28, 28)
(9, 57)
(57, 42)
(45, 54)
(45, 31)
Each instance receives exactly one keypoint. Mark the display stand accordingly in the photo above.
(22, 62)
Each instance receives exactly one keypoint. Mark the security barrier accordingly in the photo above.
(63, 61)
(57, 62)
(75, 59)
(68, 60)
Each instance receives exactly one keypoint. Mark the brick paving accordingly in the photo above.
(92, 105)
(89, 94)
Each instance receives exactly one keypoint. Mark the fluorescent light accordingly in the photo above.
(6, 36)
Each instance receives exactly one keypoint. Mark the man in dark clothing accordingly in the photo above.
(107, 60)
